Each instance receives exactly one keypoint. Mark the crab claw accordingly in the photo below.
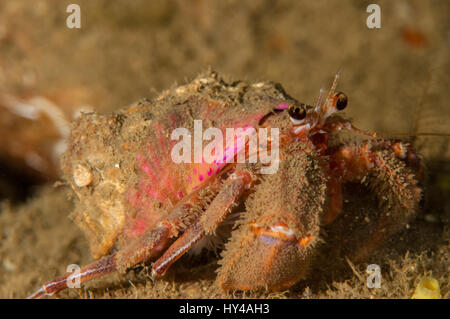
(270, 258)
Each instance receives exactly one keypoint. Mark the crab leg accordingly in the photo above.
(150, 245)
(234, 187)
(146, 247)
(391, 168)
(96, 269)
(334, 200)
(189, 238)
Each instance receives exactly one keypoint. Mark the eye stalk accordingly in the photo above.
(308, 120)
(341, 101)
(297, 112)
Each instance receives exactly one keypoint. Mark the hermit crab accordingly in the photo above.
(137, 202)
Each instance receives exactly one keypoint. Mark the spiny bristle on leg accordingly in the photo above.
(215, 242)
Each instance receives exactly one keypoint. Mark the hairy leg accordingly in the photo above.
(151, 244)
(234, 187)
(392, 170)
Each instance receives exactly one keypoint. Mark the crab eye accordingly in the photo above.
(297, 112)
(341, 101)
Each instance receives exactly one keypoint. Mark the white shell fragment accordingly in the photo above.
(82, 176)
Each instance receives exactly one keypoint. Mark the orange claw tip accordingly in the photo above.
(399, 150)
(304, 241)
(280, 231)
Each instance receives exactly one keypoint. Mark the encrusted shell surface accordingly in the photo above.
(113, 160)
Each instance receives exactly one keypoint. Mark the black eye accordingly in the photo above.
(341, 101)
(297, 112)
